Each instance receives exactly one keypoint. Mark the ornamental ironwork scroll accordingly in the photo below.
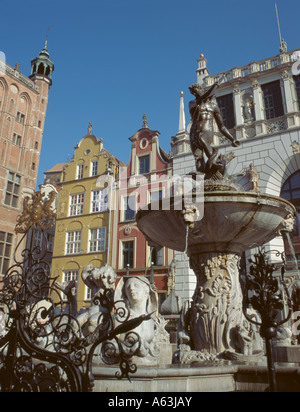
(269, 296)
(42, 346)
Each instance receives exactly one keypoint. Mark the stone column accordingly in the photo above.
(289, 101)
(238, 106)
(238, 112)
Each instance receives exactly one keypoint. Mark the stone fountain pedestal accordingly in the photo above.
(233, 222)
(216, 310)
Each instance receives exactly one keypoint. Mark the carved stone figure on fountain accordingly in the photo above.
(140, 298)
(245, 335)
(205, 113)
(98, 280)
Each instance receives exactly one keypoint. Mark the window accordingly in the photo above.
(80, 171)
(94, 171)
(73, 245)
(97, 240)
(99, 201)
(70, 275)
(157, 257)
(273, 100)
(37, 239)
(12, 190)
(156, 196)
(291, 192)
(128, 254)
(5, 251)
(20, 118)
(129, 208)
(225, 104)
(88, 293)
(297, 84)
(291, 189)
(77, 204)
(17, 139)
(50, 242)
(144, 165)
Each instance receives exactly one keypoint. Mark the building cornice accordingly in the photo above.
(19, 77)
(253, 70)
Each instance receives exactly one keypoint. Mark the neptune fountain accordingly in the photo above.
(213, 324)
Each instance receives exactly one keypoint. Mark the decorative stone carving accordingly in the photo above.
(283, 336)
(248, 108)
(98, 280)
(287, 224)
(295, 147)
(255, 85)
(189, 212)
(213, 324)
(127, 230)
(140, 298)
(216, 310)
(133, 297)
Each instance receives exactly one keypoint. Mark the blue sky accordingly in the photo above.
(118, 59)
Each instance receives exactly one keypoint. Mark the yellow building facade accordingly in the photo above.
(84, 218)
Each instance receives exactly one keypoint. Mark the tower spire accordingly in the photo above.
(278, 22)
(181, 128)
(42, 67)
(202, 70)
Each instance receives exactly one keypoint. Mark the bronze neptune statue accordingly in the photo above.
(204, 111)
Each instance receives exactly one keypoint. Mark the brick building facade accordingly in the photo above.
(23, 106)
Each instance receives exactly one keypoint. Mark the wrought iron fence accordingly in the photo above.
(42, 346)
(268, 295)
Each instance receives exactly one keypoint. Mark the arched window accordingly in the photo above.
(41, 69)
(1, 94)
(291, 192)
(291, 189)
(47, 71)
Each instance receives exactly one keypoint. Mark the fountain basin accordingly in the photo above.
(232, 222)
